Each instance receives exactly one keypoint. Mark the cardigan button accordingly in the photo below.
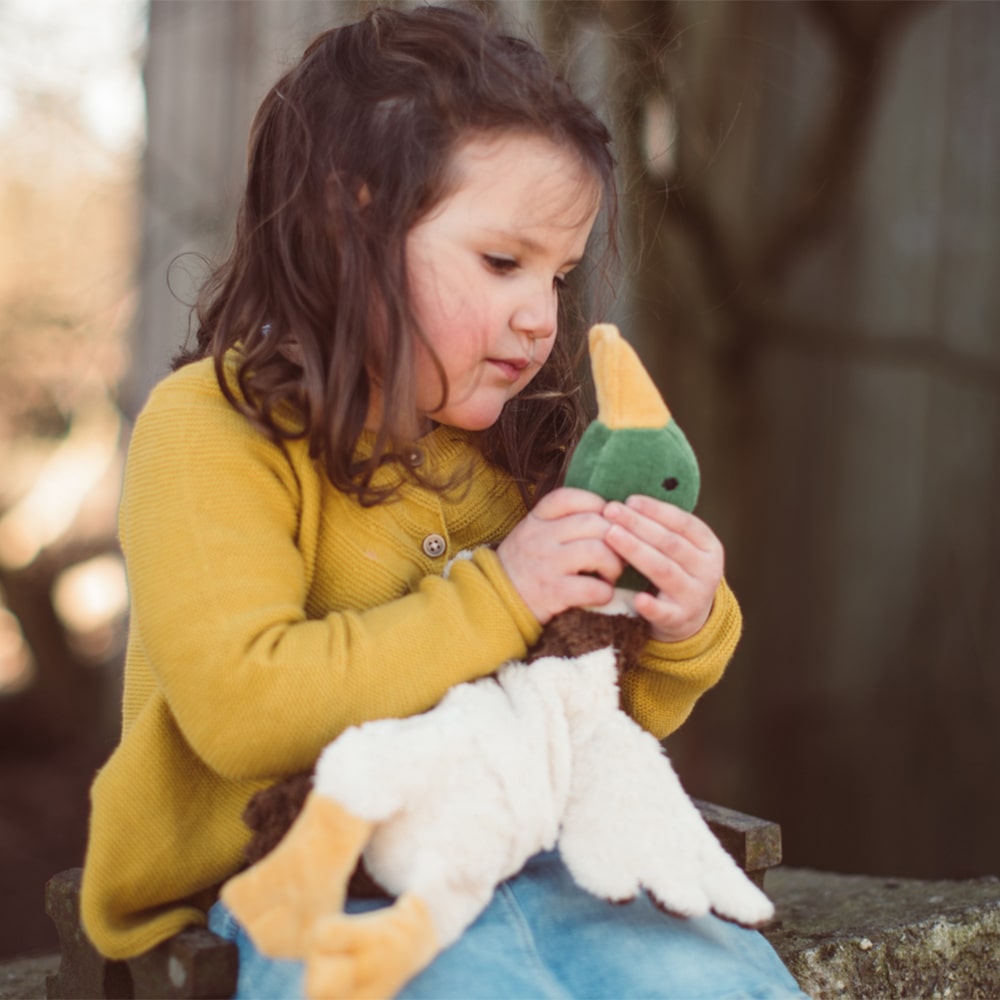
(434, 546)
(414, 458)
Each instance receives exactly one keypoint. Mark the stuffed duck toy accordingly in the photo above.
(444, 806)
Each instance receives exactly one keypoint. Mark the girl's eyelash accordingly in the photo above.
(504, 265)
(499, 264)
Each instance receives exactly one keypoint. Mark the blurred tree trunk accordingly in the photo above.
(208, 65)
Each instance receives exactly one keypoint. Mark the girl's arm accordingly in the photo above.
(661, 692)
(693, 616)
(223, 533)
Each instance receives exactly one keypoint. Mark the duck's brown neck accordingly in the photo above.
(575, 632)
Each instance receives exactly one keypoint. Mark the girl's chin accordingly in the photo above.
(470, 418)
(467, 422)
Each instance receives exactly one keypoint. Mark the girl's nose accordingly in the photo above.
(535, 315)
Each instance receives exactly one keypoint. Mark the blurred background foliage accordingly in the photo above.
(812, 249)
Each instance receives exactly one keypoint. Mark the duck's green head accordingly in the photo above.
(634, 445)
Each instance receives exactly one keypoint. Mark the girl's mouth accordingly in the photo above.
(510, 368)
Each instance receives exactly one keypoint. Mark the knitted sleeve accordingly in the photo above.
(671, 677)
(218, 528)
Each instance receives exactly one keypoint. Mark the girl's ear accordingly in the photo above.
(364, 196)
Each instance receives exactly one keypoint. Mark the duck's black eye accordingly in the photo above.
(670, 483)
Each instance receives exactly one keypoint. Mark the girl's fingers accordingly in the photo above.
(557, 557)
(663, 556)
(593, 556)
(574, 528)
(671, 621)
(583, 556)
(671, 533)
(678, 553)
(669, 574)
(565, 501)
(638, 508)
(587, 591)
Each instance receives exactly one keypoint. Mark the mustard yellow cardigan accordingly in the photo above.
(269, 612)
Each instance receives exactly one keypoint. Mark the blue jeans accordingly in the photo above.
(544, 937)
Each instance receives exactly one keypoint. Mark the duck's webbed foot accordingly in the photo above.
(370, 955)
(279, 899)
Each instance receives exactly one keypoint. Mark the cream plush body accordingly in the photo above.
(462, 797)
(446, 805)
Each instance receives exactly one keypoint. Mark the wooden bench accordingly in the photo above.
(197, 964)
(193, 964)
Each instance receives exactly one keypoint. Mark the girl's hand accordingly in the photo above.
(678, 553)
(549, 554)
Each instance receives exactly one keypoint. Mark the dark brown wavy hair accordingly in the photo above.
(347, 152)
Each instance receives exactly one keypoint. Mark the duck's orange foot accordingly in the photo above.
(279, 899)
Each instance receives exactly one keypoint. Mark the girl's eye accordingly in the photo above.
(499, 265)
(507, 265)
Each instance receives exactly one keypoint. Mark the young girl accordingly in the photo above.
(383, 377)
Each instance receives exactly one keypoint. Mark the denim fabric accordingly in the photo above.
(544, 937)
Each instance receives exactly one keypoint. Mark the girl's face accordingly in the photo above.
(485, 266)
